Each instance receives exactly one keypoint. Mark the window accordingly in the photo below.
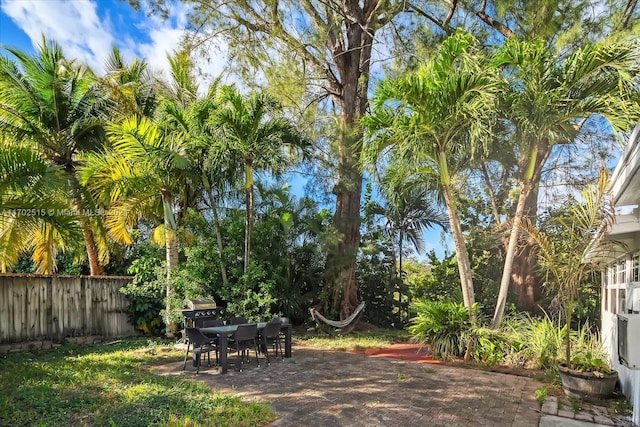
(621, 270)
(621, 301)
(605, 289)
(615, 278)
(635, 267)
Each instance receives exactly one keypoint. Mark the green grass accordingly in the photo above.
(378, 338)
(541, 394)
(110, 385)
(620, 406)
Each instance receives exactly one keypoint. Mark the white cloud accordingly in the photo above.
(85, 35)
(74, 25)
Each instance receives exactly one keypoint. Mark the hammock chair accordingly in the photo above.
(343, 326)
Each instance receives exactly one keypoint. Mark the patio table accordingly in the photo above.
(223, 333)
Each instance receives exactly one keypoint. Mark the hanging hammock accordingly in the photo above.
(343, 326)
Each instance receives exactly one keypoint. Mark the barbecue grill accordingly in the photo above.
(200, 310)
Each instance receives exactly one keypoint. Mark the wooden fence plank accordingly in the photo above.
(42, 307)
(5, 311)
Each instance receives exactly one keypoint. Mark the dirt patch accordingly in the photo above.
(421, 353)
(406, 351)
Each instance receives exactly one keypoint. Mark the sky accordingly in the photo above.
(88, 29)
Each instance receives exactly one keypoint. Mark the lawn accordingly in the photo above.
(110, 385)
(372, 339)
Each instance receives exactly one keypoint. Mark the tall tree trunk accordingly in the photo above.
(340, 272)
(400, 239)
(525, 279)
(464, 265)
(216, 221)
(95, 267)
(511, 251)
(538, 155)
(171, 254)
(248, 223)
(350, 93)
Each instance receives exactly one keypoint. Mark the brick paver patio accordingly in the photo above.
(332, 388)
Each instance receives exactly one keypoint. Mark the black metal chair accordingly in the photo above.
(270, 337)
(283, 321)
(280, 319)
(212, 323)
(244, 339)
(238, 320)
(201, 344)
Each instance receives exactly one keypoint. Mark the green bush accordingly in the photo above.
(253, 297)
(493, 347)
(146, 295)
(543, 338)
(532, 342)
(443, 325)
(441, 284)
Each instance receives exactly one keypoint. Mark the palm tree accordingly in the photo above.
(189, 117)
(131, 86)
(577, 254)
(252, 130)
(216, 174)
(147, 170)
(31, 195)
(409, 210)
(141, 175)
(550, 100)
(432, 118)
(53, 109)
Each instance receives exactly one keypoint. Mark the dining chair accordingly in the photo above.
(201, 344)
(244, 339)
(282, 320)
(270, 337)
(238, 320)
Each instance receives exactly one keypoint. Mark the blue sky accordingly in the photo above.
(87, 30)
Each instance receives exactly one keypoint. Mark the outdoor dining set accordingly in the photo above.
(211, 335)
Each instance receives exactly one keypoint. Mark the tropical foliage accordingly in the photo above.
(567, 262)
(550, 99)
(479, 102)
(52, 112)
(426, 118)
(444, 325)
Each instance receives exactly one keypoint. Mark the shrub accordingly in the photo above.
(532, 342)
(493, 347)
(543, 338)
(145, 294)
(444, 325)
(253, 296)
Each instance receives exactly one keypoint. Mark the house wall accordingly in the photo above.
(625, 192)
(617, 274)
(629, 378)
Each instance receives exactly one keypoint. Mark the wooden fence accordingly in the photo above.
(36, 307)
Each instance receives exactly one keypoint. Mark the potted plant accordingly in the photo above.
(589, 376)
(567, 262)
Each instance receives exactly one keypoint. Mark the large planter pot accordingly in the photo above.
(587, 384)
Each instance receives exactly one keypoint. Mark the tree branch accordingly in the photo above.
(446, 21)
(431, 18)
(502, 29)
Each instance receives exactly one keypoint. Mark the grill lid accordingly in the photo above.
(201, 304)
